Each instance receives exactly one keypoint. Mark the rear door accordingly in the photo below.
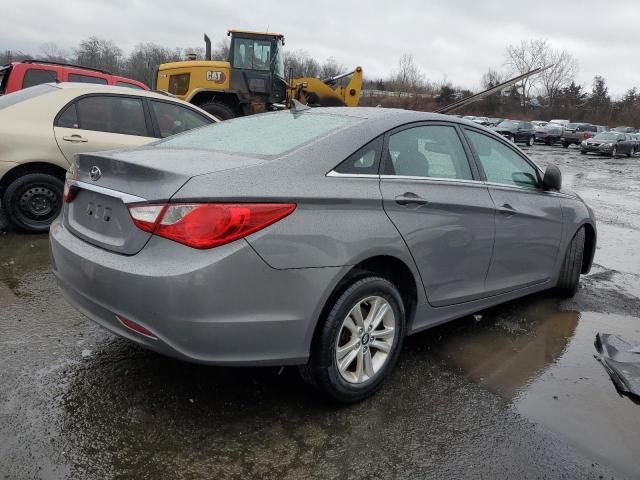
(102, 122)
(432, 194)
(528, 219)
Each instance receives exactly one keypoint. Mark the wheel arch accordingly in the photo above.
(389, 267)
(31, 167)
(589, 246)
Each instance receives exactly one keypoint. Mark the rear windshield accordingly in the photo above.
(268, 134)
(25, 94)
(509, 124)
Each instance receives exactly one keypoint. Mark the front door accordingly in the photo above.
(528, 219)
(432, 194)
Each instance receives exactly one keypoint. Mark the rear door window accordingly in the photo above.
(113, 114)
(68, 118)
(38, 76)
(433, 151)
(173, 119)
(76, 77)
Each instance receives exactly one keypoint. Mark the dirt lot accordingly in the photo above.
(517, 394)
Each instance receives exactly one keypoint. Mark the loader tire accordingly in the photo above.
(218, 110)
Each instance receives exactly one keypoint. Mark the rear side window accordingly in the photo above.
(173, 119)
(267, 134)
(113, 114)
(179, 84)
(364, 162)
(76, 77)
(129, 85)
(68, 118)
(37, 76)
(433, 151)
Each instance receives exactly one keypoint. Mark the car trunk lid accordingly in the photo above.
(105, 184)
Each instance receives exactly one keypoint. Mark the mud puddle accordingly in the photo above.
(540, 359)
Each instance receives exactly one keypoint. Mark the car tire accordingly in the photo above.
(531, 141)
(571, 266)
(33, 201)
(356, 379)
(565, 145)
(583, 152)
(614, 151)
(218, 110)
(632, 152)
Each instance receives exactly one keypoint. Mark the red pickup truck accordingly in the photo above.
(19, 75)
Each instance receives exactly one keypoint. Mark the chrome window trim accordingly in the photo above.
(125, 197)
(431, 179)
(333, 173)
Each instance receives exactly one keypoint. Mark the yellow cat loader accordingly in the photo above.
(252, 80)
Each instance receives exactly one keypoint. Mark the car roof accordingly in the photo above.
(98, 88)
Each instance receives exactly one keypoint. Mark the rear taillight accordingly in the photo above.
(585, 135)
(207, 225)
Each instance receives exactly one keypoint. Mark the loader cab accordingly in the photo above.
(257, 66)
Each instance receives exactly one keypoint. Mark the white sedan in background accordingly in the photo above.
(42, 127)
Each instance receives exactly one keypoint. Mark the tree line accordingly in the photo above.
(140, 63)
(553, 93)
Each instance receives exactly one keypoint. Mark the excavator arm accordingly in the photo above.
(325, 93)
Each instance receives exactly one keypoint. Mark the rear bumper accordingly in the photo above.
(223, 306)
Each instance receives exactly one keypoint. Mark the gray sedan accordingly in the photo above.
(318, 238)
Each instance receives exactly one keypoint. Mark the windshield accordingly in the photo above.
(252, 54)
(267, 134)
(508, 124)
(608, 136)
(25, 94)
(279, 60)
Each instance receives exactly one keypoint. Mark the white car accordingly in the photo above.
(43, 127)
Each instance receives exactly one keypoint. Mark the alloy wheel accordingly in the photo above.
(365, 339)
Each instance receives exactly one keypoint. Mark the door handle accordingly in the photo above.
(410, 198)
(507, 210)
(75, 139)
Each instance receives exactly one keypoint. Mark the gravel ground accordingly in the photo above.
(516, 394)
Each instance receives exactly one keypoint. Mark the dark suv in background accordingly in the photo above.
(517, 131)
(575, 133)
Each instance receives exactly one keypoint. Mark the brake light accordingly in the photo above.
(207, 225)
(585, 135)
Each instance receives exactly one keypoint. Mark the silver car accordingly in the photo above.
(318, 238)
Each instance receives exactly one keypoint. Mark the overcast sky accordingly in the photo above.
(456, 40)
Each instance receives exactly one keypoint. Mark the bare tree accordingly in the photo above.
(492, 78)
(561, 74)
(522, 58)
(299, 63)
(99, 53)
(145, 57)
(221, 51)
(409, 77)
(331, 68)
(53, 53)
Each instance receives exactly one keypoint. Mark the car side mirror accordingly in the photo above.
(552, 178)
